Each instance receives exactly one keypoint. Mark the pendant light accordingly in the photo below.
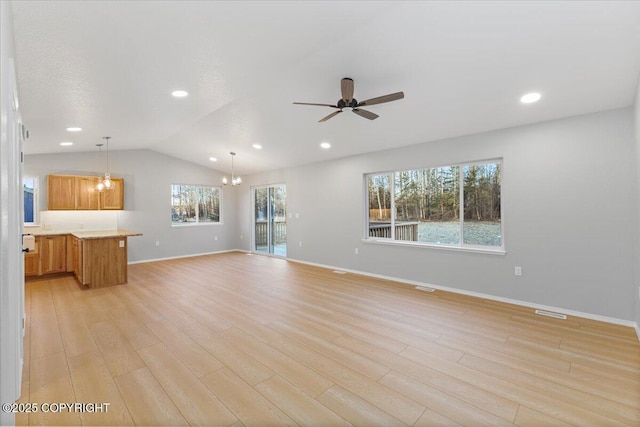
(107, 175)
(235, 180)
(100, 185)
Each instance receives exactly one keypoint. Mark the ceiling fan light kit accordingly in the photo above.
(348, 101)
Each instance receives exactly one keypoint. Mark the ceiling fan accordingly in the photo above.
(348, 101)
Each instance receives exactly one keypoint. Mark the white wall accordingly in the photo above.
(148, 176)
(637, 210)
(568, 212)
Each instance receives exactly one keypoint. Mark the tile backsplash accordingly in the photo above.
(78, 220)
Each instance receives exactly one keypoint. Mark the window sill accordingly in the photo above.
(473, 249)
(195, 224)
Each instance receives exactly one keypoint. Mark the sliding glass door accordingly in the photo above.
(270, 219)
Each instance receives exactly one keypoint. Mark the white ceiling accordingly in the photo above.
(110, 66)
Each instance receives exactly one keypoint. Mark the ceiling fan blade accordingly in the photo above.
(381, 99)
(324, 119)
(346, 85)
(366, 114)
(317, 105)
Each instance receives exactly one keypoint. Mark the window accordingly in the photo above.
(449, 206)
(195, 204)
(30, 189)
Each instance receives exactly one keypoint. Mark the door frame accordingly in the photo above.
(253, 220)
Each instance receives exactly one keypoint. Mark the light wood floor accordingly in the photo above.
(237, 339)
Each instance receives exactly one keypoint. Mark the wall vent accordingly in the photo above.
(339, 272)
(424, 288)
(551, 314)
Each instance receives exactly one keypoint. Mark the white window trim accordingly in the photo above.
(462, 247)
(197, 223)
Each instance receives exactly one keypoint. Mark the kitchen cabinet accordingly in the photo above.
(53, 252)
(113, 198)
(71, 192)
(32, 261)
(77, 258)
(87, 194)
(61, 192)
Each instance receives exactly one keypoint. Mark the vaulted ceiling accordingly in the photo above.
(109, 67)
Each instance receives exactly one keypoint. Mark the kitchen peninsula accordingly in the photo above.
(97, 258)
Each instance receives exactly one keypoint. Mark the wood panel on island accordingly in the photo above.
(97, 258)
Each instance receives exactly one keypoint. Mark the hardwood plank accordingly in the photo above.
(485, 399)
(92, 382)
(528, 417)
(132, 328)
(354, 361)
(450, 406)
(147, 401)
(297, 404)
(431, 418)
(196, 403)
(50, 382)
(357, 411)
(391, 402)
(603, 407)
(245, 402)
(304, 378)
(192, 354)
(118, 353)
(245, 366)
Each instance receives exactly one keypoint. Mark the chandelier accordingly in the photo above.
(235, 180)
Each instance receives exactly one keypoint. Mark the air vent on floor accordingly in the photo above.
(424, 288)
(551, 314)
(339, 272)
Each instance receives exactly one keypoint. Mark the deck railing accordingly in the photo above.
(404, 230)
(279, 232)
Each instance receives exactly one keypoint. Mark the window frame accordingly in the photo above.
(461, 246)
(197, 222)
(36, 209)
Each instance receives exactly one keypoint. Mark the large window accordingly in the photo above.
(30, 189)
(195, 204)
(450, 206)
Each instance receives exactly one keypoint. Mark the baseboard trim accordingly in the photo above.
(568, 312)
(637, 327)
(182, 256)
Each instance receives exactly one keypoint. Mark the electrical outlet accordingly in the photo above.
(518, 271)
(157, 242)
(300, 244)
(241, 237)
(121, 243)
(297, 215)
(357, 251)
(215, 238)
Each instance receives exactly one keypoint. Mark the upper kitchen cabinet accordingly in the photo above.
(61, 192)
(69, 192)
(87, 195)
(113, 198)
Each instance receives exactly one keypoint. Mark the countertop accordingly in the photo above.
(86, 234)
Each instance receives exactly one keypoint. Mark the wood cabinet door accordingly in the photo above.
(61, 192)
(113, 198)
(53, 254)
(31, 264)
(87, 195)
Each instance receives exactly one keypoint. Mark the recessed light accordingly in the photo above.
(179, 93)
(66, 143)
(530, 98)
(213, 159)
(257, 146)
(74, 129)
(325, 145)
